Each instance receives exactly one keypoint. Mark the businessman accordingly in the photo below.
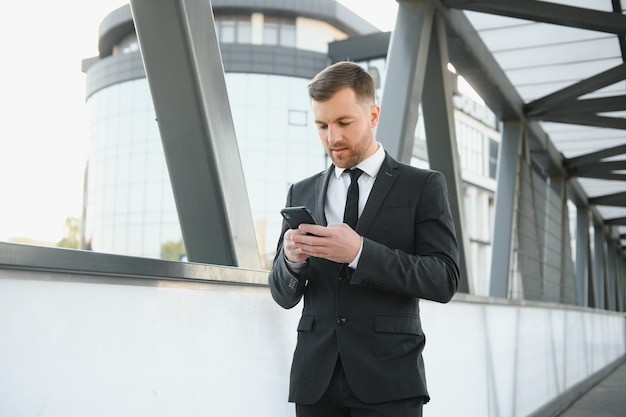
(384, 240)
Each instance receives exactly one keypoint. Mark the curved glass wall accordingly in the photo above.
(278, 145)
(130, 205)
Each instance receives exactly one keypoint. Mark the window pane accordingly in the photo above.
(270, 31)
(244, 31)
(226, 30)
(287, 33)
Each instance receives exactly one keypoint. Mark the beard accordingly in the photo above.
(352, 155)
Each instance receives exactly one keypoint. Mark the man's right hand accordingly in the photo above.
(291, 251)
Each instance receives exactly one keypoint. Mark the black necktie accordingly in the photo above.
(351, 213)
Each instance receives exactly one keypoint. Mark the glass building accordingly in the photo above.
(269, 56)
(270, 51)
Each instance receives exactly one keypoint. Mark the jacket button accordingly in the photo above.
(342, 320)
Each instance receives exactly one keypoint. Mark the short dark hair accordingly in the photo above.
(340, 75)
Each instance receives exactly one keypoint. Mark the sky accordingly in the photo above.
(43, 118)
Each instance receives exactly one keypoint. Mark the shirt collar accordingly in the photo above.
(370, 166)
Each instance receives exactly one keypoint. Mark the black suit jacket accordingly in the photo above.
(372, 320)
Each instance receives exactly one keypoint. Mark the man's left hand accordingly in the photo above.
(336, 242)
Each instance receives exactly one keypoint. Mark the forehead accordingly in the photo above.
(344, 103)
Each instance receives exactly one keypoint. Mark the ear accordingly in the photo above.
(374, 115)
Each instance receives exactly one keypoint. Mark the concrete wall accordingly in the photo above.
(76, 344)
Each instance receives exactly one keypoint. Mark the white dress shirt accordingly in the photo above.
(337, 191)
(338, 184)
(337, 194)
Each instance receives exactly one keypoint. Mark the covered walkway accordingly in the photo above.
(87, 333)
(605, 399)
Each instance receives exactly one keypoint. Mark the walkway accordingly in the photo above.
(606, 399)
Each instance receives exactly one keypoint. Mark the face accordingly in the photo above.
(346, 127)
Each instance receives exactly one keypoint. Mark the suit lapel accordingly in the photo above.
(321, 185)
(387, 175)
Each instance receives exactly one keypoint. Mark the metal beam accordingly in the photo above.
(406, 68)
(541, 11)
(602, 175)
(582, 257)
(598, 169)
(441, 141)
(612, 259)
(594, 156)
(586, 120)
(607, 166)
(619, 284)
(184, 69)
(617, 199)
(606, 78)
(599, 265)
(590, 105)
(617, 8)
(506, 196)
(616, 221)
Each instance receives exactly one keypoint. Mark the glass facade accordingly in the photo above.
(234, 29)
(130, 204)
(279, 31)
(277, 142)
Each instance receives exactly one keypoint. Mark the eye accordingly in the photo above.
(344, 124)
(322, 127)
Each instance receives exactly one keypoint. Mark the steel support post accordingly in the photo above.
(582, 255)
(184, 69)
(599, 265)
(443, 154)
(507, 194)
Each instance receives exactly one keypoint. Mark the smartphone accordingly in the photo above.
(295, 216)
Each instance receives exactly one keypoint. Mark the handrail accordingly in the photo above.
(72, 261)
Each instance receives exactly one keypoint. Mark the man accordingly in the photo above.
(360, 341)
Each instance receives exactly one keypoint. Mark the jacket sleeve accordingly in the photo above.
(286, 286)
(430, 270)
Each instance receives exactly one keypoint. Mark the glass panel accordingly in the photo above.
(244, 30)
(287, 33)
(270, 31)
(226, 32)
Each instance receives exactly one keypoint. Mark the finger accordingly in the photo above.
(339, 226)
(313, 229)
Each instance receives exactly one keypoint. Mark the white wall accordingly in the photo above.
(76, 345)
(91, 349)
(502, 360)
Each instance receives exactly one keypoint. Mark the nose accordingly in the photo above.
(333, 134)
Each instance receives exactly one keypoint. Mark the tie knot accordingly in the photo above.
(355, 173)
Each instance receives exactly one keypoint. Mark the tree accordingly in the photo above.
(72, 234)
(173, 251)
